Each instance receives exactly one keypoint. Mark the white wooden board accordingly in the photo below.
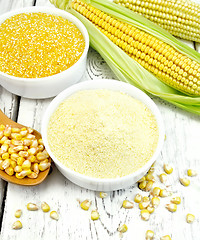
(181, 148)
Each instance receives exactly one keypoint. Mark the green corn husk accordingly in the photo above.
(124, 67)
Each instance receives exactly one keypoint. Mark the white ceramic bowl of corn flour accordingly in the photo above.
(104, 184)
(49, 86)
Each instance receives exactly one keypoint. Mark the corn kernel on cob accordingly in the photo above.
(181, 18)
(161, 59)
(124, 28)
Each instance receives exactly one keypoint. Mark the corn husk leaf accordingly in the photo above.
(124, 67)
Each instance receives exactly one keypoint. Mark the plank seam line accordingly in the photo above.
(16, 110)
(34, 2)
(3, 205)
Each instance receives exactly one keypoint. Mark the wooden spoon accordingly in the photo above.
(25, 181)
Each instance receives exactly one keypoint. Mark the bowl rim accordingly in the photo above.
(55, 12)
(122, 85)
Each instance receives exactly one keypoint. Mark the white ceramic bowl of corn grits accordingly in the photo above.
(51, 85)
(99, 184)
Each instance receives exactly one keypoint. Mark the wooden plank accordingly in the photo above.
(9, 102)
(8, 5)
(197, 47)
(44, 3)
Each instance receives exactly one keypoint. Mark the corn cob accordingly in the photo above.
(181, 18)
(170, 61)
(156, 56)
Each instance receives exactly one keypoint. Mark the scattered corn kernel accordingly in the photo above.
(6, 163)
(151, 209)
(122, 229)
(32, 175)
(44, 161)
(18, 169)
(17, 225)
(167, 168)
(142, 185)
(102, 194)
(32, 207)
(23, 154)
(7, 131)
(43, 166)
(172, 207)
(155, 201)
(27, 142)
(23, 133)
(41, 147)
(17, 175)
(32, 151)
(24, 173)
(30, 130)
(13, 164)
(127, 204)
(163, 177)
(176, 200)
(32, 159)
(45, 207)
(143, 205)
(149, 235)
(156, 192)
(164, 193)
(9, 171)
(41, 156)
(36, 168)
(34, 144)
(145, 215)
(16, 142)
(152, 168)
(94, 215)
(14, 156)
(190, 218)
(167, 237)
(85, 205)
(191, 173)
(20, 161)
(5, 156)
(26, 164)
(18, 213)
(138, 198)
(185, 181)
(18, 153)
(142, 179)
(150, 177)
(2, 127)
(15, 130)
(18, 148)
(54, 215)
(145, 199)
(149, 186)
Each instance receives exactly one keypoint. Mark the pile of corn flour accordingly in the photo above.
(102, 133)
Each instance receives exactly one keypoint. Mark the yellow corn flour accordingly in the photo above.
(102, 133)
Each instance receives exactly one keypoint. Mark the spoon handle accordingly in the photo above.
(7, 121)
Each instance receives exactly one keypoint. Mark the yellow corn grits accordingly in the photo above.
(102, 133)
(35, 45)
